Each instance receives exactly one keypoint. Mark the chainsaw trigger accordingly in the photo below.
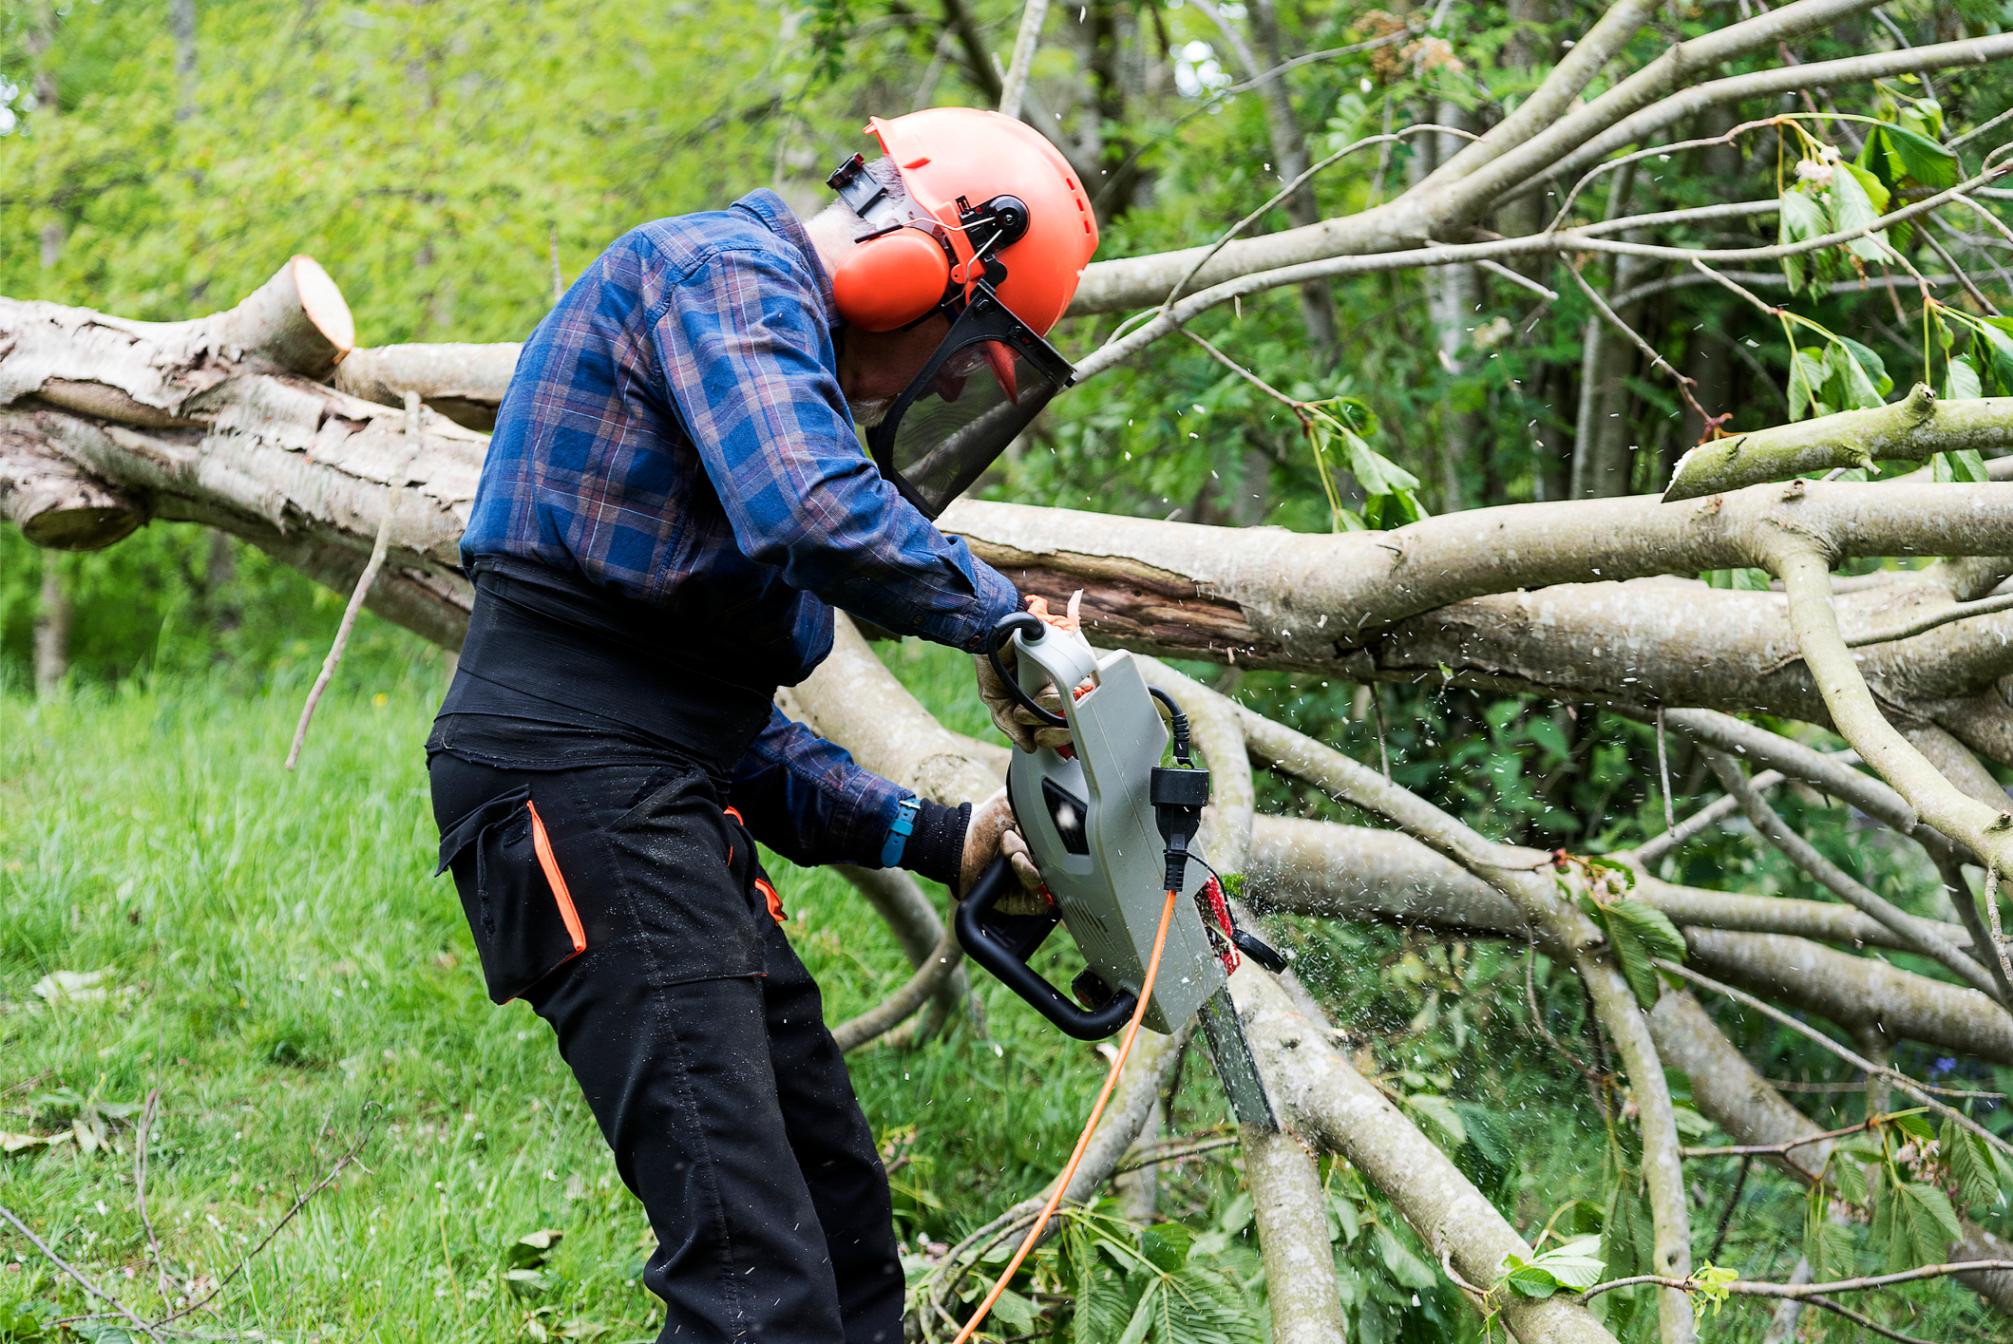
(1222, 931)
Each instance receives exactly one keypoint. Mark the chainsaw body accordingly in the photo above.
(1088, 820)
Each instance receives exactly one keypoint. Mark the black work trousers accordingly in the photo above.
(626, 905)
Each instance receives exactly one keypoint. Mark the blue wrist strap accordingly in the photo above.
(899, 833)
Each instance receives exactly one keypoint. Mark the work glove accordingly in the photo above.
(1009, 715)
(993, 833)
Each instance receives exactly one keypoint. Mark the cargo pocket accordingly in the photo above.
(513, 892)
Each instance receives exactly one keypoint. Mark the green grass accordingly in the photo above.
(284, 969)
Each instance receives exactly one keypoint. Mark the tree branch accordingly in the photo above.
(1804, 855)
(1807, 580)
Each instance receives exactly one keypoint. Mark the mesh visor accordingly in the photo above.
(991, 376)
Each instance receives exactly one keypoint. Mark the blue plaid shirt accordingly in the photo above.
(675, 432)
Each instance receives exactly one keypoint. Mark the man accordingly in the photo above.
(674, 500)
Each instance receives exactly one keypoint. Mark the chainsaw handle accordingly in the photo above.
(988, 945)
(1032, 629)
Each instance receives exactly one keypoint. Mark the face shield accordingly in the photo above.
(989, 378)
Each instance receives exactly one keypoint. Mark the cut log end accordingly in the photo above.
(55, 503)
(87, 528)
(323, 305)
(298, 320)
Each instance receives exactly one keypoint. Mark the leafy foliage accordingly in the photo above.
(1139, 1284)
(1572, 1265)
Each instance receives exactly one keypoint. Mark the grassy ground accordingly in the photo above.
(283, 968)
(280, 966)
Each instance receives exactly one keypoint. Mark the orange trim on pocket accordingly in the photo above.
(542, 845)
(735, 813)
(775, 901)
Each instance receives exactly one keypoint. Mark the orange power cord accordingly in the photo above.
(1089, 1128)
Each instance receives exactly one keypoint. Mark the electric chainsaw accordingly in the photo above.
(1110, 829)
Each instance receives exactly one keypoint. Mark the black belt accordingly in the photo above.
(554, 673)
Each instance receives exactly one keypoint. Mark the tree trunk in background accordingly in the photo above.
(220, 561)
(1709, 364)
(53, 612)
(1289, 160)
(1453, 293)
(52, 630)
(182, 26)
(1527, 49)
(1105, 132)
(220, 576)
(1601, 440)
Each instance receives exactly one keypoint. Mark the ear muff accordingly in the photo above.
(890, 281)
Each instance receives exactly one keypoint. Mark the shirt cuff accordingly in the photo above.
(936, 848)
(996, 599)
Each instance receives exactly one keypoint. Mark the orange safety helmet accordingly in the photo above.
(989, 228)
(953, 162)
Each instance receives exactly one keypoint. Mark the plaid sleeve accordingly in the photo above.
(808, 800)
(747, 361)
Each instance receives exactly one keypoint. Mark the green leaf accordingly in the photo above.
(1550, 738)
(1997, 335)
(1799, 217)
(1638, 933)
(1690, 1124)
(25, 1322)
(1167, 1244)
(1105, 1303)
(1016, 1312)
(1348, 1218)
(1806, 383)
(104, 1332)
(1854, 376)
(1827, 1245)
(1869, 360)
(1440, 1113)
(1849, 1175)
(1960, 381)
(1353, 412)
(1574, 1264)
(1739, 580)
(1915, 1125)
(1144, 1317)
(1376, 473)
(1204, 1305)
(1984, 1176)
(1712, 1281)
(1405, 1266)
(1913, 1224)
(1626, 1233)
(1896, 154)
(1857, 198)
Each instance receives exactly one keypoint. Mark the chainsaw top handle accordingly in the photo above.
(1032, 630)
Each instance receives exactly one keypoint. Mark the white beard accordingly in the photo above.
(867, 414)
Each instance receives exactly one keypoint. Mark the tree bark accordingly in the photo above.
(52, 631)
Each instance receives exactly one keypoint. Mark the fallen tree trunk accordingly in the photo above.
(223, 421)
